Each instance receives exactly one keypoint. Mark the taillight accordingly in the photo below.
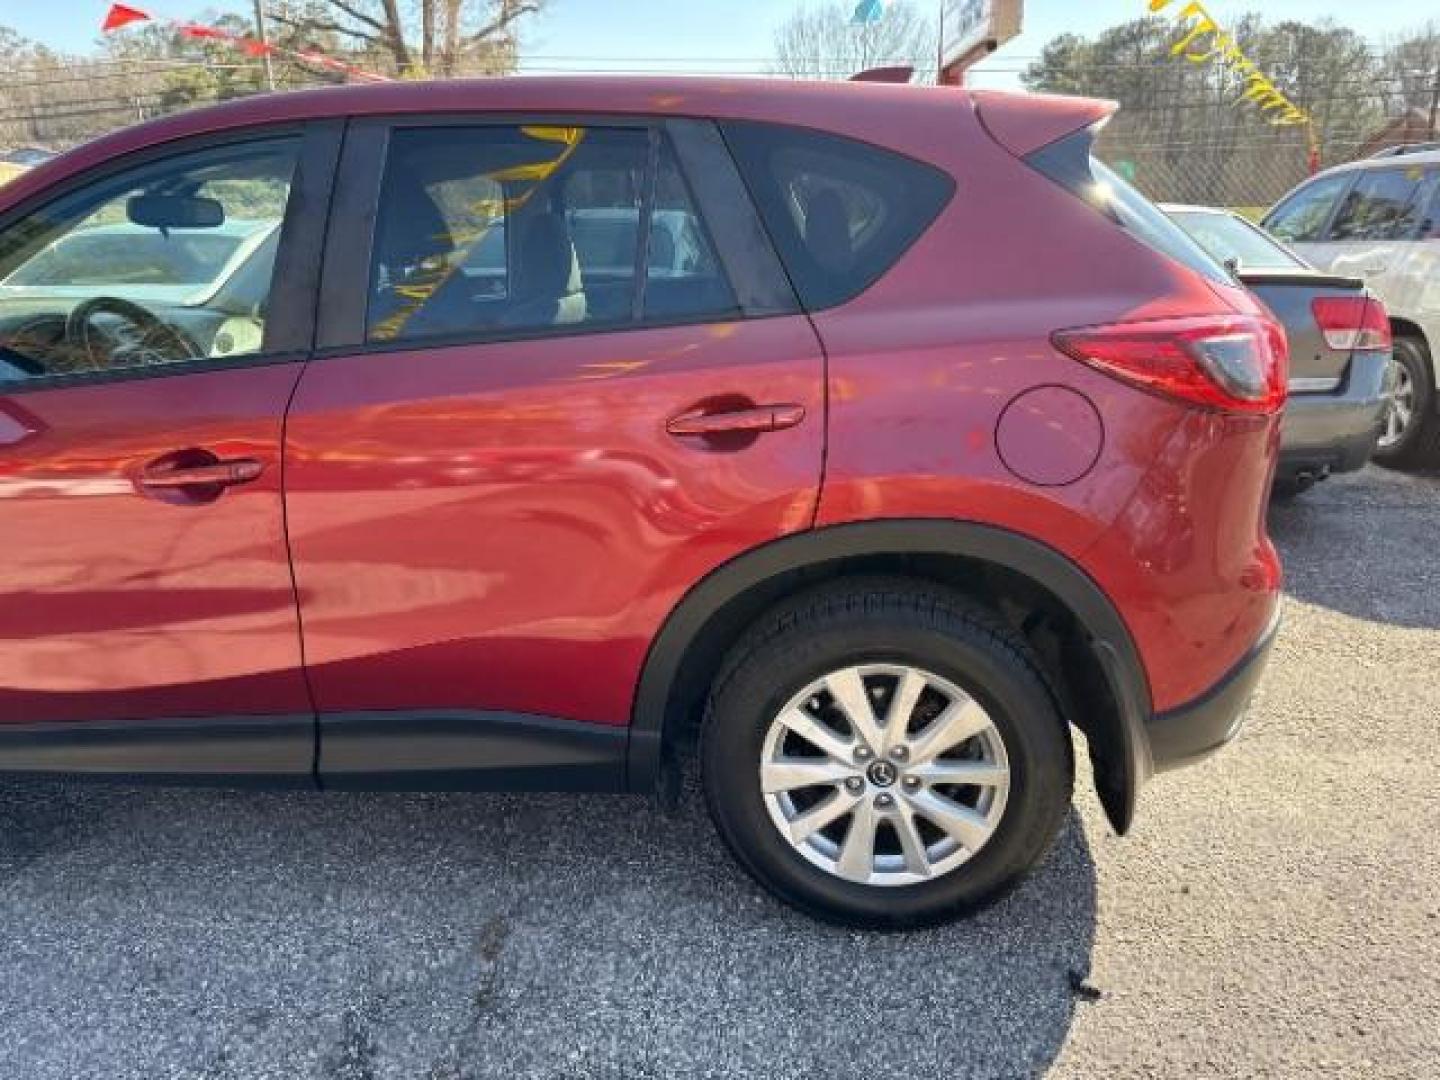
(1233, 363)
(1352, 322)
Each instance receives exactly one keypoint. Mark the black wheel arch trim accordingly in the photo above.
(1121, 767)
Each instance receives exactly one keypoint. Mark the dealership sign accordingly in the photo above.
(972, 29)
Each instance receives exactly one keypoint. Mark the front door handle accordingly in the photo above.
(193, 476)
(218, 474)
(757, 418)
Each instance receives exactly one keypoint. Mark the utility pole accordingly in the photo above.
(1435, 102)
(264, 42)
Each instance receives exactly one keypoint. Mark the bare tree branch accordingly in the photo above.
(307, 25)
(823, 43)
(369, 20)
(510, 10)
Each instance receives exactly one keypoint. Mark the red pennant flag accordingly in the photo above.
(122, 15)
(191, 30)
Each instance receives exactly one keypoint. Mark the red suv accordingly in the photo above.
(529, 433)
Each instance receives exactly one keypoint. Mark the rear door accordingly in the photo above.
(532, 427)
(147, 615)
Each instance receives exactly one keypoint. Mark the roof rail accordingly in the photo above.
(1406, 148)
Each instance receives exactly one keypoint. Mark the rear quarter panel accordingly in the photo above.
(922, 366)
(1404, 274)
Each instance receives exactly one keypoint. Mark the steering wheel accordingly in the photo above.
(142, 333)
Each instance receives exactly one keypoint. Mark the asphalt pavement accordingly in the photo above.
(1276, 911)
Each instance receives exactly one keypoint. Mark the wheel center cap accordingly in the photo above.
(882, 773)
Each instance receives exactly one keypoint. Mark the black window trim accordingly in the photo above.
(346, 266)
(290, 322)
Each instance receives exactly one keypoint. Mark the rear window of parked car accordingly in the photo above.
(1070, 163)
(840, 212)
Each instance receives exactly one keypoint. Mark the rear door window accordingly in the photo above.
(840, 212)
(1384, 204)
(498, 229)
(1301, 218)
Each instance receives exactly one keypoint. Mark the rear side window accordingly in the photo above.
(1302, 216)
(840, 212)
(1069, 163)
(1384, 204)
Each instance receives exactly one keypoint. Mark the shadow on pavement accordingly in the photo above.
(1365, 545)
(435, 937)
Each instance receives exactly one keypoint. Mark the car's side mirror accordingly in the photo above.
(174, 212)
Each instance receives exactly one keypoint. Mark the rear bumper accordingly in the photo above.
(1335, 432)
(1197, 729)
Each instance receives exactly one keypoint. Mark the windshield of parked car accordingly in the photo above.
(130, 257)
(1233, 240)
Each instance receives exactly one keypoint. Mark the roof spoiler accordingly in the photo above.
(1023, 123)
(884, 74)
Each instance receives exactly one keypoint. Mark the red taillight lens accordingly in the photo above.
(1234, 363)
(1352, 322)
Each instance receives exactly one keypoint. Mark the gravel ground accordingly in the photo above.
(1275, 913)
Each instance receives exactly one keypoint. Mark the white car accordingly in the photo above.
(1379, 219)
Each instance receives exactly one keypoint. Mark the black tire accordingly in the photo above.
(1286, 490)
(1419, 445)
(885, 621)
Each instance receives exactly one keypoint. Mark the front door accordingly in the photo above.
(1377, 226)
(554, 419)
(147, 614)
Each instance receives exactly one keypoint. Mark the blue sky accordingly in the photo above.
(721, 35)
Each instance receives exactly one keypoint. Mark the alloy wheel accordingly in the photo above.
(1400, 409)
(884, 774)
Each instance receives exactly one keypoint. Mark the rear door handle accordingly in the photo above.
(756, 419)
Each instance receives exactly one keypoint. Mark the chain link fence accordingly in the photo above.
(1247, 167)
(1175, 148)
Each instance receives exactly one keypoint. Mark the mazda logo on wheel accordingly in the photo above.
(882, 774)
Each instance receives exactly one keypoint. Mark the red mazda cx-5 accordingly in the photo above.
(532, 433)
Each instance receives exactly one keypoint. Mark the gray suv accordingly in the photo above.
(1379, 219)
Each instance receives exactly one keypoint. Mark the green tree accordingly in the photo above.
(1184, 124)
(1410, 68)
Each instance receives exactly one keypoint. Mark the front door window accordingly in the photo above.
(169, 263)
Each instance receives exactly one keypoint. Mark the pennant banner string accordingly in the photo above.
(122, 15)
(1203, 42)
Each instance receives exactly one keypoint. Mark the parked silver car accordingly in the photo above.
(1339, 346)
(1379, 219)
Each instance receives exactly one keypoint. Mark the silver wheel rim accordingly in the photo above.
(884, 774)
(1400, 410)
